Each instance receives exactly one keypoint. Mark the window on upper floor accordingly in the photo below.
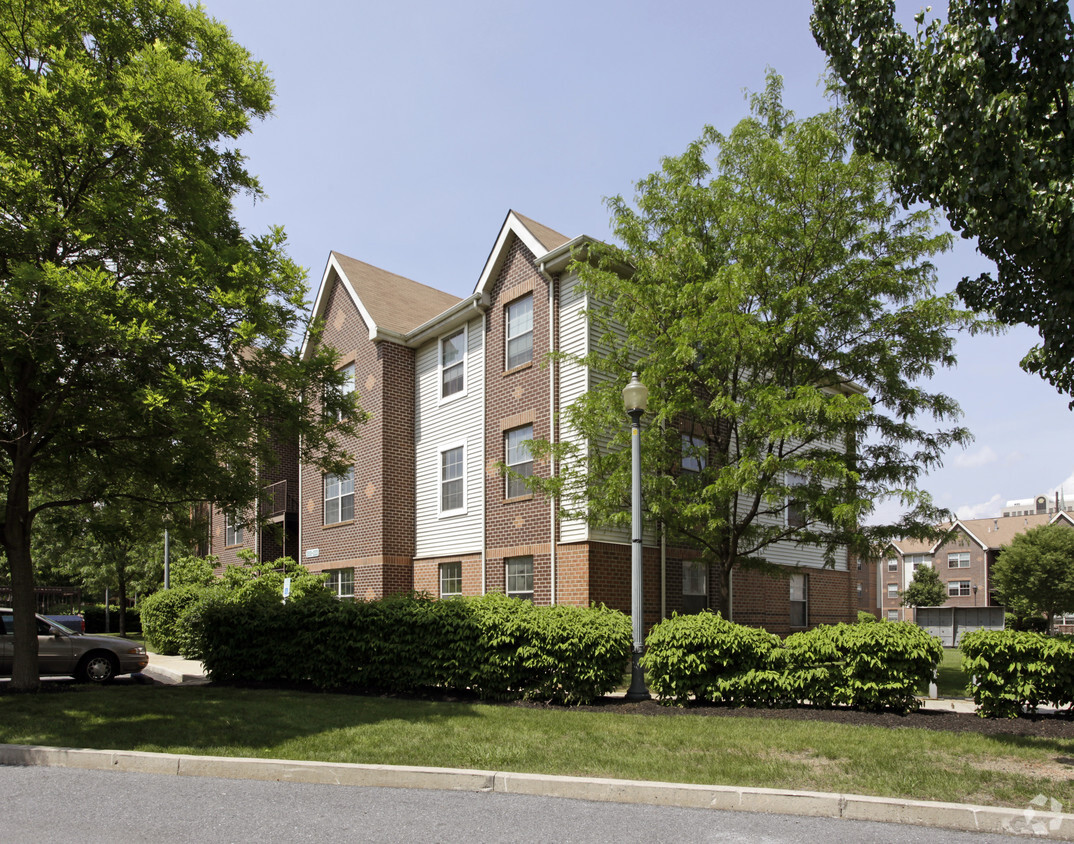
(518, 459)
(694, 453)
(453, 364)
(347, 387)
(450, 579)
(453, 479)
(340, 582)
(796, 508)
(958, 560)
(339, 497)
(232, 531)
(893, 591)
(893, 564)
(519, 321)
(519, 577)
(915, 561)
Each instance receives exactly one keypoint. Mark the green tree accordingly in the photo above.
(143, 336)
(925, 589)
(780, 309)
(1034, 575)
(976, 116)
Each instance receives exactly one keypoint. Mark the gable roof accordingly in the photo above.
(990, 534)
(388, 303)
(538, 239)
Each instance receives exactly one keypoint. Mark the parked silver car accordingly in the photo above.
(63, 652)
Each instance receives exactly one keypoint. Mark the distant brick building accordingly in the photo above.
(964, 558)
(455, 387)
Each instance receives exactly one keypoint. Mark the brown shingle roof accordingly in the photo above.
(549, 238)
(994, 533)
(394, 302)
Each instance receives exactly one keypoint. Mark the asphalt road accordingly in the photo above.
(64, 805)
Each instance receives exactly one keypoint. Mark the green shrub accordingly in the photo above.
(866, 617)
(496, 646)
(161, 615)
(710, 659)
(1013, 672)
(867, 666)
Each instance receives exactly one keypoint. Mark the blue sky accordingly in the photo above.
(403, 132)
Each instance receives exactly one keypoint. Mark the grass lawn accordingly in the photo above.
(765, 752)
(950, 681)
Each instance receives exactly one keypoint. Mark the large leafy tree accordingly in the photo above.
(976, 115)
(925, 589)
(1034, 575)
(781, 311)
(143, 336)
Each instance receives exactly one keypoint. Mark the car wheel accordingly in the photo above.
(99, 667)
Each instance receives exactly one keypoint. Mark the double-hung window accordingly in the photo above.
(453, 480)
(799, 600)
(796, 509)
(958, 560)
(893, 591)
(519, 577)
(694, 586)
(346, 388)
(518, 459)
(958, 588)
(519, 319)
(232, 531)
(694, 453)
(339, 497)
(450, 580)
(453, 364)
(893, 564)
(341, 582)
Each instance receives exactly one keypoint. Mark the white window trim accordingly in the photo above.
(507, 337)
(349, 386)
(237, 529)
(960, 555)
(337, 590)
(325, 499)
(440, 397)
(440, 576)
(693, 450)
(507, 480)
(793, 479)
(461, 511)
(532, 592)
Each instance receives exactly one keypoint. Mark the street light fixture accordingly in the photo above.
(975, 594)
(635, 401)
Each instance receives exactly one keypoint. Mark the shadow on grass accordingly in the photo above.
(132, 716)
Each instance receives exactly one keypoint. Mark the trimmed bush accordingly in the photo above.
(1014, 672)
(495, 646)
(705, 657)
(161, 613)
(867, 666)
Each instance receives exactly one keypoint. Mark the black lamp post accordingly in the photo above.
(635, 400)
(975, 594)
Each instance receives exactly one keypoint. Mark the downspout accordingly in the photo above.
(551, 426)
(484, 441)
(731, 595)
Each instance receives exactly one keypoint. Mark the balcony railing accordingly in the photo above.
(277, 500)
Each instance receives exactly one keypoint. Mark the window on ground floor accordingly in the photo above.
(958, 588)
(450, 580)
(695, 586)
(799, 600)
(519, 577)
(341, 582)
(893, 615)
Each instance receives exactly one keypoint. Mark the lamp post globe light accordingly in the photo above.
(635, 401)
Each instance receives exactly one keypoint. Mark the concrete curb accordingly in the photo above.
(1053, 825)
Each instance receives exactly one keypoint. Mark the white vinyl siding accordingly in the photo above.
(572, 383)
(440, 426)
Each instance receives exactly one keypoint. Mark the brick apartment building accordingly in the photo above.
(964, 558)
(455, 387)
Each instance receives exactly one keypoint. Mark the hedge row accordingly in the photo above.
(1013, 672)
(866, 666)
(495, 646)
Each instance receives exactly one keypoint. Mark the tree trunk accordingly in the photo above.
(121, 577)
(16, 541)
(721, 600)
